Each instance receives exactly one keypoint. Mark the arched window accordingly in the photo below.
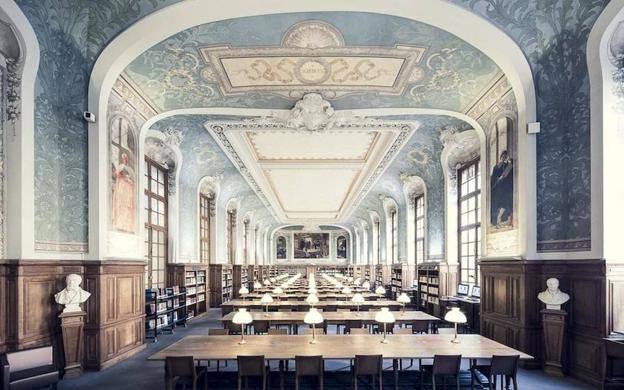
(395, 235)
(205, 222)
(419, 218)
(469, 224)
(156, 222)
(231, 235)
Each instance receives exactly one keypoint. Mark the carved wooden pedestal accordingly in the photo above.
(72, 327)
(553, 325)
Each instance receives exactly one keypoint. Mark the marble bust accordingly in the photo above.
(552, 296)
(72, 295)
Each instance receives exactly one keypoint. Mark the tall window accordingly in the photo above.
(246, 241)
(231, 235)
(419, 208)
(378, 228)
(205, 205)
(469, 222)
(395, 234)
(155, 223)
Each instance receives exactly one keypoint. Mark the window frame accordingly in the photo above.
(151, 227)
(205, 227)
(475, 227)
(419, 234)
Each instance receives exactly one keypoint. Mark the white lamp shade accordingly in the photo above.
(278, 290)
(384, 316)
(357, 281)
(312, 290)
(267, 282)
(403, 298)
(242, 317)
(312, 299)
(243, 290)
(380, 290)
(366, 285)
(350, 279)
(346, 291)
(266, 299)
(257, 284)
(455, 316)
(313, 317)
(358, 298)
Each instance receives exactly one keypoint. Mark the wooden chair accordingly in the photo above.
(613, 369)
(330, 308)
(368, 365)
(182, 370)
(420, 327)
(252, 366)
(232, 327)
(261, 327)
(218, 332)
(358, 331)
(504, 366)
(352, 324)
(309, 366)
(446, 365)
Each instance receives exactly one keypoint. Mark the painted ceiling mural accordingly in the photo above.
(552, 34)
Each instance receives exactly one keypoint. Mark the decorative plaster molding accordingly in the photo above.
(135, 97)
(499, 87)
(53, 246)
(13, 97)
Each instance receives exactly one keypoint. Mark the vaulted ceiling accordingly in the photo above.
(350, 61)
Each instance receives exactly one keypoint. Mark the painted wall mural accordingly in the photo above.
(341, 247)
(552, 34)
(123, 159)
(280, 248)
(311, 245)
(501, 176)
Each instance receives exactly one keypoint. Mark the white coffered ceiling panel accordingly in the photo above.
(312, 191)
(297, 145)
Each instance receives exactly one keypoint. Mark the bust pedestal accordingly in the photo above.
(72, 324)
(553, 325)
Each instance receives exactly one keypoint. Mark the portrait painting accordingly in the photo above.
(123, 176)
(311, 245)
(280, 248)
(502, 176)
(341, 247)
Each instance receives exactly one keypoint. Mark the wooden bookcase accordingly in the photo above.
(165, 308)
(194, 277)
(240, 277)
(221, 283)
(401, 278)
(428, 276)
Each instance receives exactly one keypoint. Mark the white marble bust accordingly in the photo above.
(72, 295)
(552, 296)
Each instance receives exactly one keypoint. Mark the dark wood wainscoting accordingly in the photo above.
(114, 326)
(615, 298)
(510, 309)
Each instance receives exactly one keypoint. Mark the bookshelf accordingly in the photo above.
(165, 308)
(401, 278)
(221, 283)
(428, 276)
(240, 278)
(194, 278)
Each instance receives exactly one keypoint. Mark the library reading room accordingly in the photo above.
(311, 194)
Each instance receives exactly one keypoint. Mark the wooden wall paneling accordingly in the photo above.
(3, 308)
(615, 298)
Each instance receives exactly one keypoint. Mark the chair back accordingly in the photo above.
(446, 364)
(30, 358)
(331, 308)
(352, 324)
(180, 366)
(250, 365)
(278, 331)
(402, 331)
(309, 365)
(504, 365)
(358, 331)
(233, 328)
(303, 308)
(217, 332)
(285, 309)
(261, 326)
(420, 327)
(366, 307)
(368, 364)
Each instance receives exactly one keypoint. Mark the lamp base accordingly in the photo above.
(384, 341)
(242, 342)
(455, 341)
(312, 341)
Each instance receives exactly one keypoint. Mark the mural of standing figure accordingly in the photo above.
(123, 205)
(502, 188)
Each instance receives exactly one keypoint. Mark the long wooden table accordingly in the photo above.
(332, 317)
(229, 306)
(321, 296)
(280, 347)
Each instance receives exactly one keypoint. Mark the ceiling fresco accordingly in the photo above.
(355, 60)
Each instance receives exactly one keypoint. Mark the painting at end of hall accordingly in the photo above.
(311, 245)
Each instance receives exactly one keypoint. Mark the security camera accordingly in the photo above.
(89, 116)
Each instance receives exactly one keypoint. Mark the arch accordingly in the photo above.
(19, 148)
(450, 17)
(606, 143)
